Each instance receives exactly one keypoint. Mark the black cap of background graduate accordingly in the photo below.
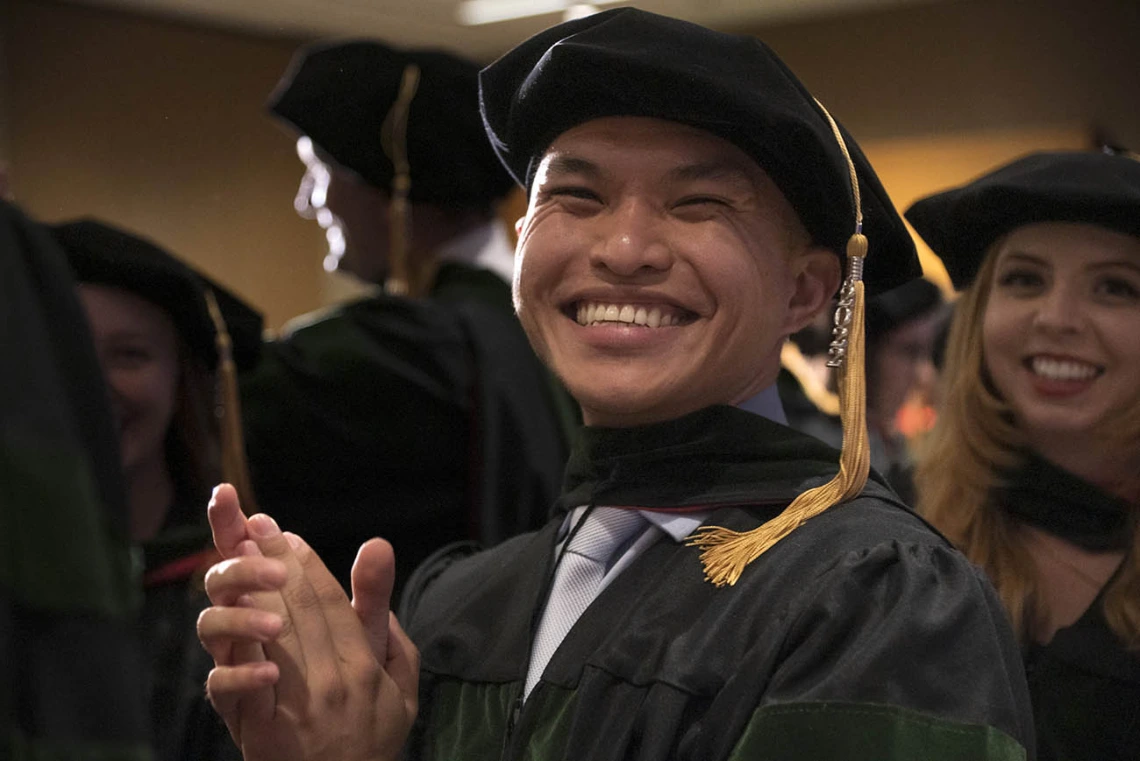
(102, 254)
(960, 224)
(899, 306)
(341, 94)
(627, 62)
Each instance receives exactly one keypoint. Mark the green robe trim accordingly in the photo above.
(478, 715)
(840, 731)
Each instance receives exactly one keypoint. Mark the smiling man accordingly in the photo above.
(715, 585)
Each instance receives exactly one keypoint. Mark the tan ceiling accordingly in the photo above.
(432, 23)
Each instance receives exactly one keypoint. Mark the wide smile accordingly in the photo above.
(1062, 369)
(592, 313)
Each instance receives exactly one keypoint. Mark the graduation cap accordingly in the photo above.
(341, 96)
(628, 62)
(898, 306)
(216, 326)
(962, 223)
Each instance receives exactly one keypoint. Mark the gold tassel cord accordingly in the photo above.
(235, 469)
(726, 553)
(402, 280)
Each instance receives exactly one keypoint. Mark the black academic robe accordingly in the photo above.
(1084, 684)
(184, 726)
(69, 668)
(422, 421)
(862, 635)
(1085, 688)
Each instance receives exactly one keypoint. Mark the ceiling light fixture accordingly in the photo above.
(477, 12)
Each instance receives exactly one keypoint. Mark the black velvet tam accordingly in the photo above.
(105, 255)
(960, 224)
(898, 306)
(340, 94)
(627, 62)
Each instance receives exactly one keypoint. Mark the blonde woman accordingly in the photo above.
(1033, 468)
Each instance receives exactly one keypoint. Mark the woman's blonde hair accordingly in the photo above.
(974, 443)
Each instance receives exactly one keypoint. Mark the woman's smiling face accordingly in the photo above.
(660, 270)
(1061, 331)
(137, 346)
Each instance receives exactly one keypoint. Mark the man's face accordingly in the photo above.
(660, 270)
(353, 214)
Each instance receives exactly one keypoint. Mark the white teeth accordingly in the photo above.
(589, 313)
(1063, 370)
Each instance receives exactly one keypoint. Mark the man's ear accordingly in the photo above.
(816, 276)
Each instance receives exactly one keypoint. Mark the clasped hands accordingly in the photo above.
(300, 672)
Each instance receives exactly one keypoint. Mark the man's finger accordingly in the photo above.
(234, 578)
(344, 626)
(373, 576)
(227, 521)
(403, 664)
(220, 628)
(242, 692)
(304, 643)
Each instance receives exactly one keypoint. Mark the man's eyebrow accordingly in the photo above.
(712, 170)
(563, 164)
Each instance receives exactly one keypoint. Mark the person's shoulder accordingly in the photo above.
(463, 571)
(874, 533)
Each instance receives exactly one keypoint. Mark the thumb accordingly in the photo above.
(373, 576)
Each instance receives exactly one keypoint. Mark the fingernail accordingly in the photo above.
(294, 540)
(263, 526)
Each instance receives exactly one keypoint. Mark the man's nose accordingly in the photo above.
(633, 241)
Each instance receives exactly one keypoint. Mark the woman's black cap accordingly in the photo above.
(627, 62)
(105, 255)
(339, 94)
(960, 224)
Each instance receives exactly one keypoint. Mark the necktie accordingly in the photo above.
(578, 578)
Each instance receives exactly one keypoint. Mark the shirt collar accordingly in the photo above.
(487, 247)
(766, 404)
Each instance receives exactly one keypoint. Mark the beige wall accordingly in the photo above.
(160, 126)
(973, 64)
(5, 23)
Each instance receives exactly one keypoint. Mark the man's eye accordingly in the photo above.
(572, 191)
(699, 200)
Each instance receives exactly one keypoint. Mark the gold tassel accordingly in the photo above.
(403, 278)
(726, 553)
(235, 469)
